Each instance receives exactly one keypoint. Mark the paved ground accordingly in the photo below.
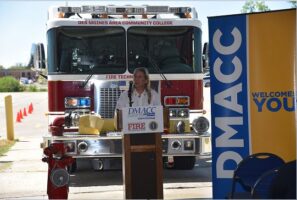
(26, 175)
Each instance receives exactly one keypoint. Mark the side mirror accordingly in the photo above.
(205, 57)
(37, 57)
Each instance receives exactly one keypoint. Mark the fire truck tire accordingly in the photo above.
(72, 168)
(187, 162)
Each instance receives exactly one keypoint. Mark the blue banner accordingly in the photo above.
(229, 105)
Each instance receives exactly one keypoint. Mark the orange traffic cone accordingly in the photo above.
(30, 110)
(21, 115)
(18, 119)
(25, 113)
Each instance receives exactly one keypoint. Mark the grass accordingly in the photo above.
(5, 146)
(5, 165)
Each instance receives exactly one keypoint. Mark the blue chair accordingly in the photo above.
(261, 189)
(284, 184)
(250, 169)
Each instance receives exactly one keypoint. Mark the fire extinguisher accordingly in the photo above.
(58, 177)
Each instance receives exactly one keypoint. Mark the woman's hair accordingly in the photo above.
(148, 84)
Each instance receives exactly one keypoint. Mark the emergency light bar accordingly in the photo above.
(157, 9)
(180, 10)
(121, 10)
(69, 9)
(93, 9)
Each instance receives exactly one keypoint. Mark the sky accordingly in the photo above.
(24, 22)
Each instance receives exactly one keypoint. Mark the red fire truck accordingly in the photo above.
(91, 54)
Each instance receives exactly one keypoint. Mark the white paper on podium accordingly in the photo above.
(144, 119)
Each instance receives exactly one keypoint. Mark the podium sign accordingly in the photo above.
(144, 119)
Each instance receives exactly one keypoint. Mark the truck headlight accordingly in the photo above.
(200, 125)
(179, 113)
(184, 113)
(172, 113)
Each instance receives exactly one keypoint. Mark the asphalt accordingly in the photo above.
(24, 176)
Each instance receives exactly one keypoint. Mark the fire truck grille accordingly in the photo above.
(108, 100)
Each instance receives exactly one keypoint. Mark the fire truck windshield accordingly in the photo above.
(102, 50)
(172, 49)
(80, 50)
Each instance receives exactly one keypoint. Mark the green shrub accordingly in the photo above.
(42, 90)
(32, 88)
(10, 84)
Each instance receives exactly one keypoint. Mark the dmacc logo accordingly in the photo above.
(142, 112)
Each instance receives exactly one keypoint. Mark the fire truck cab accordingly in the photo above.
(91, 54)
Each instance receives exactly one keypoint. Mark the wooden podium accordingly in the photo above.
(142, 165)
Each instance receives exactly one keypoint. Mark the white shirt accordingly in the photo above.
(138, 99)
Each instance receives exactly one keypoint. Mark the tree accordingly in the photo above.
(19, 66)
(294, 3)
(10, 84)
(254, 6)
(1, 67)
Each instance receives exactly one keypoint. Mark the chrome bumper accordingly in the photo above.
(90, 146)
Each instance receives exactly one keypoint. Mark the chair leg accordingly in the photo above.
(233, 189)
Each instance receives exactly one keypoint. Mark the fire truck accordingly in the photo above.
(91, 54)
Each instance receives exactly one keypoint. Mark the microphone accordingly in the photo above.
(130, 93)
(130, 86)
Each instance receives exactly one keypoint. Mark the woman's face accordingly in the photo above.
(139, 80)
